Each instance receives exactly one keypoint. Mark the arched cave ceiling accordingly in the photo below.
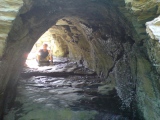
(138, 12)
(117, 24)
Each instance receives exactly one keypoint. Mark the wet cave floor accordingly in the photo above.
(64, 91)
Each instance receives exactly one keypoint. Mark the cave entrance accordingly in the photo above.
(57, 47)
(66, 40)
(68, 89)
(69, 47)
(92, 42)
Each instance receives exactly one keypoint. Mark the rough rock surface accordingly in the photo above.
(8, 11)
(109, 37)
(72, 97)
(60, 67)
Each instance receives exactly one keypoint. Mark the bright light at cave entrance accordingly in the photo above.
(56, 45)
(153, 28)
(45, 38)
(32, 63)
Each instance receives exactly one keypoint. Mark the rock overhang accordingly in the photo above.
(136, 12)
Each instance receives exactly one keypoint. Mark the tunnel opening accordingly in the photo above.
(73, 84)
(57, 48)
(65, 39)
(98, 41)
(76, 94)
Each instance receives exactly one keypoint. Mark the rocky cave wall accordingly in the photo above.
(111, 41)
(147, 74)
(9, 10)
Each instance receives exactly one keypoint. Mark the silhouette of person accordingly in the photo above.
(44, 55)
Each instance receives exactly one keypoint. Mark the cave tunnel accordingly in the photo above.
(107, 56)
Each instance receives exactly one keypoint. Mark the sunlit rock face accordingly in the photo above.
(138, 12)
(8, 11)
(109, 37)
(153, 28)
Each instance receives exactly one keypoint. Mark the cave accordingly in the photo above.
(108, 60)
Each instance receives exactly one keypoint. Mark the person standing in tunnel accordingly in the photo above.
(44, 55)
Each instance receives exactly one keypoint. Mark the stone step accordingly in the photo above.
(3, 36)
(2, 46)
(5, 23)
(8, 13)
(15, 4)
(4, 28)
(9, 8)
(7, 18)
